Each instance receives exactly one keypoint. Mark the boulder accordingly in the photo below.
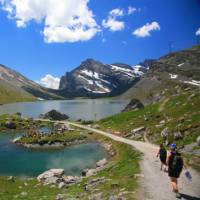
(198, 141)
(165, 132)
(178, 135)
(94, 182)
(134, 104)
(51, 176)
(71, 179)
(55, 115)
(96, 126)
(91, 172)
(11, 178)
(101, 163)
(61, 185)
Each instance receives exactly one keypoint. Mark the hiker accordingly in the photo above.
(175, 165)
(163, 156)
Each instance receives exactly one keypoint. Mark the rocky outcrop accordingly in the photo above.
(99, 166)
(178, 135)
(165, 132)
(56, 176)
(136, 133)
(134, 104)
(54, 115)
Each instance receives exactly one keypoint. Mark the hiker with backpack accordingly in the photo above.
(162, 153)
(175, 165)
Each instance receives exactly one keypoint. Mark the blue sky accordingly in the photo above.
(33, 40)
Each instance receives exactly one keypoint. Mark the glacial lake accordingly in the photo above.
(19, 161)
(87, 109)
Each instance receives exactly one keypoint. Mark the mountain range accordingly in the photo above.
(145, 82)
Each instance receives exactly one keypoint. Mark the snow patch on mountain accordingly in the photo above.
(137, 70)
(98, 83)
(89, 81)
(128, 72)
(89, 73)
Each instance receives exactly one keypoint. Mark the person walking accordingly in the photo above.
(162, 153)
(175, 165)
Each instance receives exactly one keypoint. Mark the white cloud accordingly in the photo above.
(198, 32)
(64, 20)
(112, 23)
(49, 81)
(131, 10)
(116, 12)
(145, 31)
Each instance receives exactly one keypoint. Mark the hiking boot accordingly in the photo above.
(178, 195)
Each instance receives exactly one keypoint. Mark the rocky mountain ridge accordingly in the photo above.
(95, 79)
(178, 68)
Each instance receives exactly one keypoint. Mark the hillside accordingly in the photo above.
(170, 93)
(14, 87)
(179, 67)
(95, 79)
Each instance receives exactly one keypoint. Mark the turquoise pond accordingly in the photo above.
(19, 161)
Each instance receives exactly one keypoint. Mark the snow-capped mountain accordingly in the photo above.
(93, 78)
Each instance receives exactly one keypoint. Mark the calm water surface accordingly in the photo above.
(87, 109)
(18, 161)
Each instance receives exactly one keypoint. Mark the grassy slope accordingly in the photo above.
(9, 95)
(180, 112)
(120, 173)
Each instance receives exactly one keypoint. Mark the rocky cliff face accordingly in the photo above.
(93, 78)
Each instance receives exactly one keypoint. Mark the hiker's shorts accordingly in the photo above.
(174, 173)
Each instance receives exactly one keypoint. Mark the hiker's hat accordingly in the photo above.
(173, 146)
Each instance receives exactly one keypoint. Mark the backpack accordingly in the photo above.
(176, 162)
(163, 152)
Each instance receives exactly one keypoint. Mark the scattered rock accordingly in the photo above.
(96, 126)
(60, 197)
(136, 132)
(178, 135)
(198, 141)
(97, 196)
(139, 175)
(11, 178)
(162, 122)
(61, 185)
(165, 132)
(71, 179)
(51, 176)
(101, 163)
(24, 193)
(94, 182)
